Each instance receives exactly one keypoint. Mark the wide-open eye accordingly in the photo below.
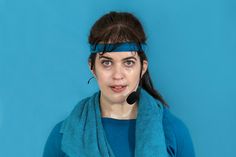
(129, 63)
(106, 62)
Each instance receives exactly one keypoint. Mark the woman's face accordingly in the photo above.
(118, 74)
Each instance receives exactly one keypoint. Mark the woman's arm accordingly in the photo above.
(178, 139)
(52, 147)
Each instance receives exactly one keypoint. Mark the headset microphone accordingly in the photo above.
(134, 96)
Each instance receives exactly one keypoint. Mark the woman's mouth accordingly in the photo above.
(118, 89)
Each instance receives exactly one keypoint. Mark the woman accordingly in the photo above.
(127, 117)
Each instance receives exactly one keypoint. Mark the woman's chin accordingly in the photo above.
(117, 98)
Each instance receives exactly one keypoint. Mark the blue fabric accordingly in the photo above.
(84, 136)
(118, 47)
(121, 136)
(177, 137)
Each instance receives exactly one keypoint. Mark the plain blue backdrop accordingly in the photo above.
(44, 71)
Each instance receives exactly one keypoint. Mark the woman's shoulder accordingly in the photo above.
(170, 120)
(178, 139)
(53, 144)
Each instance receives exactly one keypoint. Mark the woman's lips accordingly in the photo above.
(118, 89)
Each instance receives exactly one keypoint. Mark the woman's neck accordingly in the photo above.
(118, 111)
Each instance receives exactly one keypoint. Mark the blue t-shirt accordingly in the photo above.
(121, 137)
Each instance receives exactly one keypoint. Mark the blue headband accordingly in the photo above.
(118, 47)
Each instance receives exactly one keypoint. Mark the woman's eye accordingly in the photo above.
(106, 63)
(129, 63)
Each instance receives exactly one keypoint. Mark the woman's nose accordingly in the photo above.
(118, 73)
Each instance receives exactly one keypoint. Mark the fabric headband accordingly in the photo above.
(118, 47)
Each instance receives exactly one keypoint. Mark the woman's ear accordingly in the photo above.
(89, 64)
(145, 66)
(92, 71)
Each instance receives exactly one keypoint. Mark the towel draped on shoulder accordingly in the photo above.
(84, 136)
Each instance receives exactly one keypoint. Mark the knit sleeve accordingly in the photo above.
(181, 144)
(52, 147)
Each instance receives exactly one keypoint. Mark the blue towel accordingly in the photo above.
(84, 136)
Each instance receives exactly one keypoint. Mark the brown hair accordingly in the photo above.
(118, 27)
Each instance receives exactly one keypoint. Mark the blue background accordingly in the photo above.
(44, 71)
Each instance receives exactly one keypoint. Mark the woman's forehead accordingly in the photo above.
(119, 55)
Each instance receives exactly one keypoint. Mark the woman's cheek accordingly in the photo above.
(104, 76)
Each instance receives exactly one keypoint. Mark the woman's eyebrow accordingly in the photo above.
(131, 57)
(127, 58)
(105, 57)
